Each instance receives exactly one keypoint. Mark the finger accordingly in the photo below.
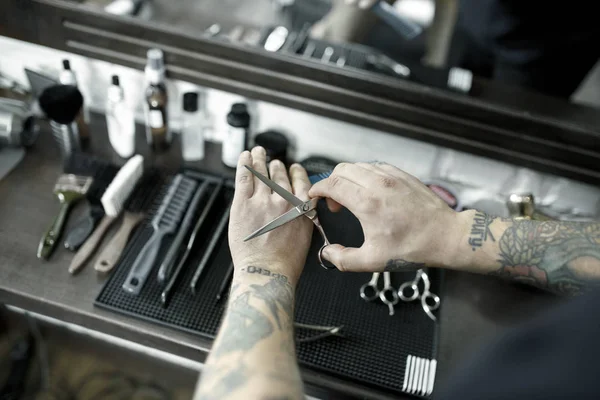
(279, 175)
(333, 205)
(349, 194)
(259, 163)
(347, 259)
(394, 171)
(373, 168)
(244, 182)
(300, 181)
(353, 173)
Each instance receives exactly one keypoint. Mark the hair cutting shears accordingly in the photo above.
(301, 209)
(409, 291)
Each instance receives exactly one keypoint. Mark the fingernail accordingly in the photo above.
(364, 3)
(260, 149)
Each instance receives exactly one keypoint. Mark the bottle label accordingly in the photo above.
(155, 119)
(233, 145)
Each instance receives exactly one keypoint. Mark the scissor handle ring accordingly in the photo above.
(434, 297)
(320, 255)
(384, 298)
(363, 292)
(408, 285)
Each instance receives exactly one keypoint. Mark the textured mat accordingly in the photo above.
(393, 353)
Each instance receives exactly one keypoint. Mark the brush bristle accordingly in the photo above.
(73, 183)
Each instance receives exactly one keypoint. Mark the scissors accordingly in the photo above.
(388, 295)
(409, 291)
(301, 208)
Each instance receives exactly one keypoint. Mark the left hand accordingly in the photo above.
(284, 249)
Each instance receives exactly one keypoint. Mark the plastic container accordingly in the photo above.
(236, 139)
(192, 132)
(120, 121)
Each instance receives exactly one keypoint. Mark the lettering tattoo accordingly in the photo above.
(480, 230)
(400, 265)
(257, 313)
(562, 257)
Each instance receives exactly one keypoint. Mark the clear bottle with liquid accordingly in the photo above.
(192, 132)
(120, 121)
(158, 134)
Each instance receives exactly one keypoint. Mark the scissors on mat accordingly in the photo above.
(370, 291)
(409, 291)
(301, 209)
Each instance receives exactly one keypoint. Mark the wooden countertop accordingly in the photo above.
(475, 308)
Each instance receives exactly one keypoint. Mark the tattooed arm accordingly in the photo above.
(408, 227)
(254, 356)
(562, 257)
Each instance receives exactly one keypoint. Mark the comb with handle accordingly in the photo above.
(69, 189)
(165, 222)
(113, 200)
(135, 211)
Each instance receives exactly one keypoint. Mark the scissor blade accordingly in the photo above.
(276, 223)
(276, 188)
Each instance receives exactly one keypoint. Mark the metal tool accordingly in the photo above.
(388, 294)
(327, 331)
(301, 208)
(370, 290)
(214, 241)
(409, 291)
(225, 283)
(383, 62)
(327, 54)
(166, 267)
(165, 296)
(522, 206)
(341, 61)
(164, 223)
(69, 189)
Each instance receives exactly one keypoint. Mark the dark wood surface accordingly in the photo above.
(475, 308)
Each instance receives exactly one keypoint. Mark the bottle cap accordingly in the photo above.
(155, 59)
(190, 102)
(238, 117)
(115, 80)
(66, 64)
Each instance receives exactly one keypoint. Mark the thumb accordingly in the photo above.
(346, 259)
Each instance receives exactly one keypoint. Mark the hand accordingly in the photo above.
(284, 249)
(406, 225)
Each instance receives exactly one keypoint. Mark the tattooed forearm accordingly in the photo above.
(402, 265)
(563, 257)
(255, 345)
(480, 230)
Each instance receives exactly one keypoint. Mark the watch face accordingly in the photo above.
(445, 195)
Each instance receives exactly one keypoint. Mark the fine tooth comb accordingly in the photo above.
(112, 200)
(69, 189)
(136, 208)
(165, 222)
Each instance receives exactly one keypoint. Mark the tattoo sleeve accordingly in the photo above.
(562, 257)
(254, 355)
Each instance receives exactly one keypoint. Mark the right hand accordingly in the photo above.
(406, 225)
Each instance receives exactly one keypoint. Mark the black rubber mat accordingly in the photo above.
(375, 346)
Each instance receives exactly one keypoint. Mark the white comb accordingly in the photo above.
(120, 188)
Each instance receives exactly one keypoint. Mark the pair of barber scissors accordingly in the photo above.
(388, 296)
(301, 209)
(409, 291)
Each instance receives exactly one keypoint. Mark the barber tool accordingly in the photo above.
(166, 267)
(460, 79)
(388, 294)
(214, 241)
(112, 201)
(103, 175)
(166, 293)
(62, 104)
(135, 210)
(370, 290)
(341, 61)
(276, 39)
(164, 223)
(327, 54)
(309, 50)
(409, 291)
(69, 189)
(301, 208)
(403, 26)
(327, 331)
(18, 125)
(385, 63)
(226, 282)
